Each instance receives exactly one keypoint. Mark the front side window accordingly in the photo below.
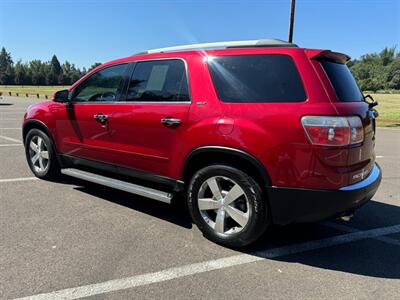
(256, 78)
(158, 80)
(103, 86)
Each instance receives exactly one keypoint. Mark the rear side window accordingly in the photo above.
(159, 80)
(256, 78)
(342, 81)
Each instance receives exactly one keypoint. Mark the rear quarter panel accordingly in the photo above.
(272, 132)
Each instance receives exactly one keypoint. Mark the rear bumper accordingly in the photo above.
(307, 205)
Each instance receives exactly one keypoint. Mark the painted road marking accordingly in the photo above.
(10, 145)
(22, 110)
(379, 156)
(10, 139)
(18, 179)
(346, 228)
(207, 266)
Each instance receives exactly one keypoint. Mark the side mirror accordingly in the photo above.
(61, 96)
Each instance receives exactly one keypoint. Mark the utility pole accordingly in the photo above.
(291, 20)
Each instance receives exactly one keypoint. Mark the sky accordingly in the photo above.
(88, 31)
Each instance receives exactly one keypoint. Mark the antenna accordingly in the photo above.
(291, 20)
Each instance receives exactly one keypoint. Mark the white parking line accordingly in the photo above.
(207, 266)
(342, 227)
(22, 110)
(18, 179)
(10, 139)
(10, 145)
(379, 156)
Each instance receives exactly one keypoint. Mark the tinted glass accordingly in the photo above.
(159, 80)
(256, 78)
(342, 81)
(103, 85)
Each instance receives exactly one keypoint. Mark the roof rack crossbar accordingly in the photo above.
(216, 45)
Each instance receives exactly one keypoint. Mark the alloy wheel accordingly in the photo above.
(223, 205)
(39, 154)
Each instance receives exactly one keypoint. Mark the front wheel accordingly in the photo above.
(40, 155)
(227, 205)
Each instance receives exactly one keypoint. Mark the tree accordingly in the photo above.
(8, 77)
(5, 59)
(6, 67)
(55, 65)
(37, 72)
(95, 65)
(377, 71)
(75, 74)
(387, 55)
(70, 73)
(66, 72)
(394, 74)
(51, 77)
(19, 73)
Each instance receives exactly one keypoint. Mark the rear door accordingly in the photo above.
(84, 126)
(149, 121)
(350, 102)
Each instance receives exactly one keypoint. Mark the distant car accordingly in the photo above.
(254, 132)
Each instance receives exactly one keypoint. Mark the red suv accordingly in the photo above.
(254, 132)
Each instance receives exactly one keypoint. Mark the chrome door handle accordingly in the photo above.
(100, 117)
(170, 122)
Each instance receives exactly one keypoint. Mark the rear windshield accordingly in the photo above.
(256, 78)
(342, 81)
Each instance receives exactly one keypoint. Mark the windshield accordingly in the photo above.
(343, 82)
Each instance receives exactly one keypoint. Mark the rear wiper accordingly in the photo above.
(370, 104)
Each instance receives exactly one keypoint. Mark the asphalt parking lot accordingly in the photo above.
(71, 239)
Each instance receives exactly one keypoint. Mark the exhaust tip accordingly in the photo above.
(347, 217)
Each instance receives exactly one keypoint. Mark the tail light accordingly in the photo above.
(333, 131)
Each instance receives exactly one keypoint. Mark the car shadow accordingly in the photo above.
(176, 213)
(368, 257)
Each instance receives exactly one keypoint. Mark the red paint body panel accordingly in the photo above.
(271, 132)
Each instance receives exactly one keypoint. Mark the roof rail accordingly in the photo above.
(231, 44)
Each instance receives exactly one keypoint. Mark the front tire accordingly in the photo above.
(40, 154)
(227, 205)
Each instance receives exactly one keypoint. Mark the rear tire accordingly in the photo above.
(227, 205)
(40, 154)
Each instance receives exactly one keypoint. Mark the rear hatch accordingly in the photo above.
(349, 101)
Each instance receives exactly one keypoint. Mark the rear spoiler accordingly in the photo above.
(328, 55)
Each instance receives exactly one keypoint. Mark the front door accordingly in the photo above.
(148, 123)
(84, 126)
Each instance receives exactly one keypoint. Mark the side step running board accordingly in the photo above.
(119, 184)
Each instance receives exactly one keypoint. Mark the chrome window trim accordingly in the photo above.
(161, 102)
